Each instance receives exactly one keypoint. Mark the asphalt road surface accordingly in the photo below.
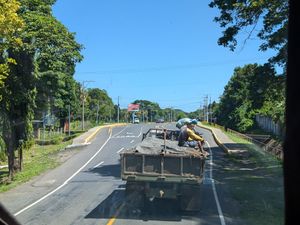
(87, 188)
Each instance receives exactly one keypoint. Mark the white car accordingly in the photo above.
(136, 120)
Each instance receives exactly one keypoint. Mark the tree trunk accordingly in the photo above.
(9, 139)
(18, 104)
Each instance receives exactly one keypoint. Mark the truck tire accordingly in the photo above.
(134, 195)
(190, 198)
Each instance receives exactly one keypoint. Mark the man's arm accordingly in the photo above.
(194, 136)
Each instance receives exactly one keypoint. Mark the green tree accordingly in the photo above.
(48, 49)
(244, 96)
(10, 26)
(274, 102)
(18, 102)
(100, 105)
(236, 16)
(150, 109)
(56, 54)
(180, 114)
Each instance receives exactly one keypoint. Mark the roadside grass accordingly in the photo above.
(255, 180)
(36, 160)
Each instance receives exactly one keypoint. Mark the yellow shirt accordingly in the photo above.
(193, 136)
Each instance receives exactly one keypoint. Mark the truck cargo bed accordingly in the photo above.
(161, 159)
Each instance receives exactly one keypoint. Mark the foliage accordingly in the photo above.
(236, 16)
(253, 89)
(56, 54)
(265, 93)
(10, 26)
(150, 110)
(99, 105)
(180, 114)
(43, 63)
(37, 160)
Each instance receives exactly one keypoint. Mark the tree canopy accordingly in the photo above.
(43, 55)
(100, 105)
(253, 89)
(268, 20)
(11, 25)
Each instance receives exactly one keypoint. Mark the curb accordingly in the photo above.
(99, 128)
(225, 149)
(92, 135)
(77, 145)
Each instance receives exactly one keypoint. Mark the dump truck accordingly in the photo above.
(157, 168)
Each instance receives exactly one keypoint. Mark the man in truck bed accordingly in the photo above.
(188, 138)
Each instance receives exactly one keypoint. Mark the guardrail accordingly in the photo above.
(268, 145)
(271, 146)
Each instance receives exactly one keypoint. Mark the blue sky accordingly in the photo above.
(163, 51)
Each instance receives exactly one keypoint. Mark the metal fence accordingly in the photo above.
(269, 125)
(265, 142)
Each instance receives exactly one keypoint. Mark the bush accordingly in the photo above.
(57, 139)
(67, 138)
(53, 141)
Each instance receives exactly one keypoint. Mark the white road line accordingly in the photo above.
(222, 220)
(120, 188)
(120, 150)
(131, 136)
(132, 141)
(98, 164)
(62, 185)
(120, 131)
(140, 132)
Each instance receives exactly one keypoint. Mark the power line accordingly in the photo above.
(163, 68)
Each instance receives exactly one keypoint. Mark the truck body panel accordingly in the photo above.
(159, 168)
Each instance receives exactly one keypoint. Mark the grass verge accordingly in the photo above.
(255, 180)
(36, 160)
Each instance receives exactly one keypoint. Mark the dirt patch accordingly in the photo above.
(65, 154)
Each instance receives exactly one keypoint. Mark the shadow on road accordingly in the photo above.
(112, 170)
(115, 205)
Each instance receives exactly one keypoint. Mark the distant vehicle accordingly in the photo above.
(160, 121)
(136, 120)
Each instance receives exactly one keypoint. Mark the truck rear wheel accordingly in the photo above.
(190, 198)
(134, 195)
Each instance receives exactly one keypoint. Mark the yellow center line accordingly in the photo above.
(112, 220)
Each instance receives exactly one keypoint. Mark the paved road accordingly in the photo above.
(87, 188)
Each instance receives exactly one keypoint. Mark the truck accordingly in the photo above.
(157, 168)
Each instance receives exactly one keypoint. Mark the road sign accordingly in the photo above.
(133, 107)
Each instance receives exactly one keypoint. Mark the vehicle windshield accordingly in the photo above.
(82, 82)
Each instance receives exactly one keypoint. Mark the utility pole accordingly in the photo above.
(97, 117)
(118, 110)
(207, 112)
(83, 99)
(205, 108)
(143, 116)
(69, 127)
(110, 115)
(174, 115)
(200, 111)
(210, 109)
